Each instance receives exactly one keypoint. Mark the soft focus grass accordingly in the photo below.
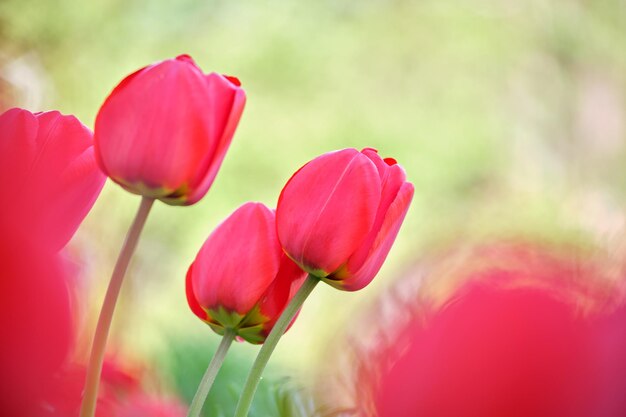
(488, 105)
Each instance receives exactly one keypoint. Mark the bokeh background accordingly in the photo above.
(508, 116)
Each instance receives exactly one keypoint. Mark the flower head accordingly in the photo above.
(165, 129)
(527, 332)
(339, 215)
(240, 279)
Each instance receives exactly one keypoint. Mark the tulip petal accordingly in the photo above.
(381, 165)
(351, 281)
(18, 139)
(118, 88)
(59, 139)
(77, 192)
(258, 323)
(392, 178)
(36, 321)
(288, 280)
(238, 261)
(194, 305)
(313, 224)
(229, 100)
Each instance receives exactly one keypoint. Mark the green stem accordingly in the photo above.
(211, 372)
(94, 369)
(254, 377)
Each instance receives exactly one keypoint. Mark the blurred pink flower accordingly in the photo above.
(36, 322)
(528, 333)
(49, 180)
(48, 174)
(121, 394)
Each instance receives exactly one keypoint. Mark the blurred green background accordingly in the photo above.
(509, 117)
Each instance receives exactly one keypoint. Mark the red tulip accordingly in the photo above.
(48, 175)
(165, 129)
(241, 279)
(339, 215)
(530, 334)
(36, 324)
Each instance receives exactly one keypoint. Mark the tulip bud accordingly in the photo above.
(165, 129)
(48, 175)
(241, 279)
(339, 215)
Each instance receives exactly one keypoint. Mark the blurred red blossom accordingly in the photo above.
(50, 180)
(338, 216)
(164, 130)
(48, 174)
(36, 322)
(121, 394)
(528, 331)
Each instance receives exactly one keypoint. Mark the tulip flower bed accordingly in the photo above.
(162, 135)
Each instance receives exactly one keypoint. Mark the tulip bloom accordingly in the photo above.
(36, 324)
(529, 334)
(339, 215)
(165, 129)
(241, 279)
(48, 175)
